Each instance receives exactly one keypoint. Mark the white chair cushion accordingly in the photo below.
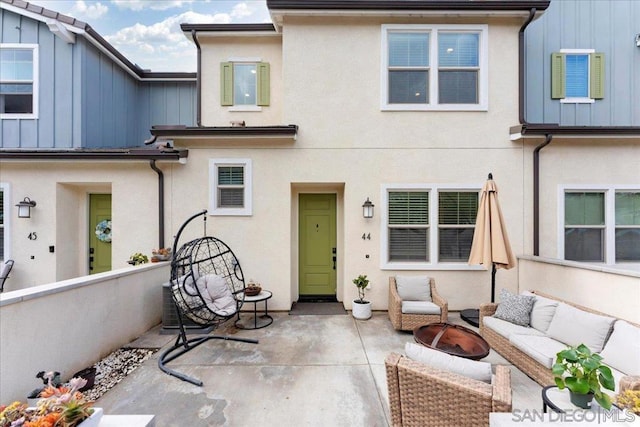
(216, 294)
(573, 326)
(542, 312)
(541, 349)
(477, 370)
(622, 350)
(419, 307)
(413, 288)
(506, 329)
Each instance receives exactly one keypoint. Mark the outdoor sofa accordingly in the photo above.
(554, 325)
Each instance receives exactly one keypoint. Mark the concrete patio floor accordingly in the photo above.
(318, 370)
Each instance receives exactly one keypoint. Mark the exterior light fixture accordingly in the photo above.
(638, 40)
(24, 207)
(367, 209)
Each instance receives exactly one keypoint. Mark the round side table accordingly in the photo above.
(259, 321)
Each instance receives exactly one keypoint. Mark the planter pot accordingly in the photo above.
(93, 420)
(361, 310)
(581, 400)
(88, 374)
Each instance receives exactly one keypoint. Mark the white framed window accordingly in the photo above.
(230, 187)
(4, 221)
(434, 67)
(19, 81)
(599, 224)
(577, 76)
(428, 226)
(244, 84)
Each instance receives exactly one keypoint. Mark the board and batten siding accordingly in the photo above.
(605, 26)
(86, 100)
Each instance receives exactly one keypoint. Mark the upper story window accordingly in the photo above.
(601, 225)
(19, 81)
(577, 75)
(434, 67)
(245, 84)
(230, 191)
(428, 226)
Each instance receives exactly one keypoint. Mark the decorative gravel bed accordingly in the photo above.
(113, 368)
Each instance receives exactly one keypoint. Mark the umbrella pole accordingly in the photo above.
(493, 282)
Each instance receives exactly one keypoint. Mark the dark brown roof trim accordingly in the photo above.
(140, 154)
(503, 5)
(235, 131)
(228, 27)
(141, 73)
(558, 130)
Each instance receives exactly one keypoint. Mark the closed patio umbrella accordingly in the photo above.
(490, 241)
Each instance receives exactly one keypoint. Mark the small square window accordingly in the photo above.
(230, 192)
(577, 76)
(245, 84)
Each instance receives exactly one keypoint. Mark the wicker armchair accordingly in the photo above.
(408, 322)
(420, 395)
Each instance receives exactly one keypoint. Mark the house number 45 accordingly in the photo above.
(32, 236)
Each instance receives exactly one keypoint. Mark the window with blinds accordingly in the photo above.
(230, 186)
(577, 75)
(408, 222)
(440, 67)
(457, 213)
(18, 80)
(584, 226)
(627, 228)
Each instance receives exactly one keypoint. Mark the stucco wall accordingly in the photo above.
(70, 325)
(602, 289)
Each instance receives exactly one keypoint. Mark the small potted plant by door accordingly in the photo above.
(361, 307)
(583, 373)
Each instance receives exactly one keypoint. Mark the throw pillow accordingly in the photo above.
(515, 308)
(573, 326)
(542, 312)
(477, 370)
(622, 350)
(413, 288)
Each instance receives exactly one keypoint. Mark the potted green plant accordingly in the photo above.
(583, 373)
(138, 258)
(361, 308)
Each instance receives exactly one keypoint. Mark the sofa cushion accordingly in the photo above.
(216, 294)
(542, 312)
(413, 288)
(419, 307)
(514, 308)
(542, 349)
(573, 326)
(506, 329)
(477, 370)
(622, 350)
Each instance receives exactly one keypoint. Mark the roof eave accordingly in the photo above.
(225, 132)
(537, 130)
(133, 154)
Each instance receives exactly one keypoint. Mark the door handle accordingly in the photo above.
(334, 263)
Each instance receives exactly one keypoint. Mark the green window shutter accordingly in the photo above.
(226, 83)
(263, 83)
(597, 75)
(557, 76)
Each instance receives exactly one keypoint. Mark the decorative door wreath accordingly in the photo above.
(103, 231)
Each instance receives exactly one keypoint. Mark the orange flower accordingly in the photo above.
(48, 420)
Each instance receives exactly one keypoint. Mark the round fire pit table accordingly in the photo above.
(452, 339)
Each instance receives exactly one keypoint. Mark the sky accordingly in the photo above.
(148, 33)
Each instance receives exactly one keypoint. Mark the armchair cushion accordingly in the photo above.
(419, 307)
(515, 308)
(477, 370)
(413, 288)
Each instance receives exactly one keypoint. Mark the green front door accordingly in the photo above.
(317, 216)
(99, 233)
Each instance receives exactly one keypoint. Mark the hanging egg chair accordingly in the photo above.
(207, 287)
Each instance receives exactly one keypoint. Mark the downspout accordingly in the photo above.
(523, 121)
(198, 78)
(152, 163)
(536, 194)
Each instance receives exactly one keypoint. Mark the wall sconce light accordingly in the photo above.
(367, 209)
(638, 40)
(24, 207)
